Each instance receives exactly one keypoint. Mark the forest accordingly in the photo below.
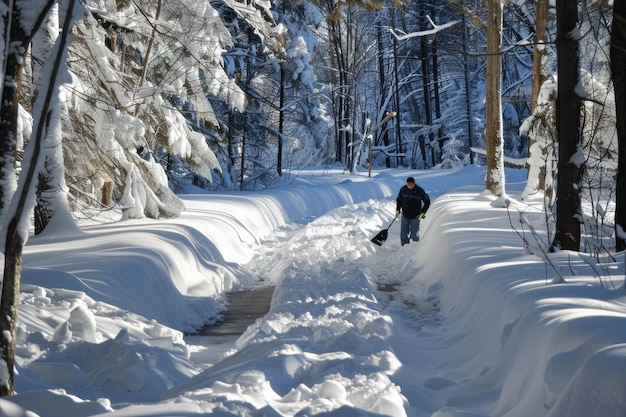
(120, 105)
(224, 95)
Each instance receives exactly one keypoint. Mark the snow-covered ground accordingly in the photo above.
(465, 322)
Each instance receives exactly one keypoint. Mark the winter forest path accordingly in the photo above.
(244, 308)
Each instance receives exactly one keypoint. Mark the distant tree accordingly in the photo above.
(343, 54)
(618, 74)
(254, 62)
(349, 38)
(303, 128)
(571, 159)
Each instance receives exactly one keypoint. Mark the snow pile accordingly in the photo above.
(466, 322)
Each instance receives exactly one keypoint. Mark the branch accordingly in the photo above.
(401, 36)
(544, 255)
(508, 161)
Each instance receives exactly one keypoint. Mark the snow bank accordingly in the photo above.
(466, 322)
(520, 341)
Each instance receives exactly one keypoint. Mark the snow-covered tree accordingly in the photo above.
(493, 101)
(618, 73)
(21, 23)
(51, 189)
(142, 77)
(306, 128)
(541, 126)
(539, 76)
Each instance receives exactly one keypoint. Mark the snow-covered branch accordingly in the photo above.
(508, 161)
(401, 35)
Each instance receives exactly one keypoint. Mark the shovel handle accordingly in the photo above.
(394, 219)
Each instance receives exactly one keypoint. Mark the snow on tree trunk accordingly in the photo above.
(12, 66)
(46, 128)
(493, 100)
(618, 74)
(51, 184)
(538, 78)
(568, 106)
(13, 62)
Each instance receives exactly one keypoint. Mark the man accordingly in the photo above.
(414, 202)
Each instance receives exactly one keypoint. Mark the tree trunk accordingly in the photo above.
(334, 36)
(426, 82)
(618, 74)
(20, 202)
(45, 39)
(468, 99)
(281, 122)
(42, 213)
(538, 78)
(8, 307)
(493, 106)
(383, 86)
(568, 105)
(396, 88)
(435, 72)
(13, 69)
(12, 77)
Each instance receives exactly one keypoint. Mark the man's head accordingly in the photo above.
(410, 182)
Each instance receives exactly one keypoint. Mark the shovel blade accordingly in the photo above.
(380, 237)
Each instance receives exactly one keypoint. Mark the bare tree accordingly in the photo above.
(493, 100)
(538, 78)
(349, 44)
(568, 107)
(618, 74)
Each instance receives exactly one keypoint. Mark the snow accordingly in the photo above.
(466, 322)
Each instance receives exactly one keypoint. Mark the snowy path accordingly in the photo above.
(244, 308)
(465, 322)
(356, 302)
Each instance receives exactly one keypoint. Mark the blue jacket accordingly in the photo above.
(412, 202)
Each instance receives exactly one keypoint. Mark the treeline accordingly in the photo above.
(225, 94)
(167, 96)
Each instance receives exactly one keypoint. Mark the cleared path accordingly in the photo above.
(243, 309)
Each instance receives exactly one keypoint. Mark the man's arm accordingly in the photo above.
(399, 201)
(426, 201)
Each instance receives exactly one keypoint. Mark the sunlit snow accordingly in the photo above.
(465, 322)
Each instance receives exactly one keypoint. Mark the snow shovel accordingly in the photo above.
(382, 235)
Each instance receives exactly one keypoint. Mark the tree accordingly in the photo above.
(493, 100)
(350, 39)
(302, 128)
(568, 107)
(618, 75)
(145, 122)
(51, 190)
(538, 78)
(46, 127)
